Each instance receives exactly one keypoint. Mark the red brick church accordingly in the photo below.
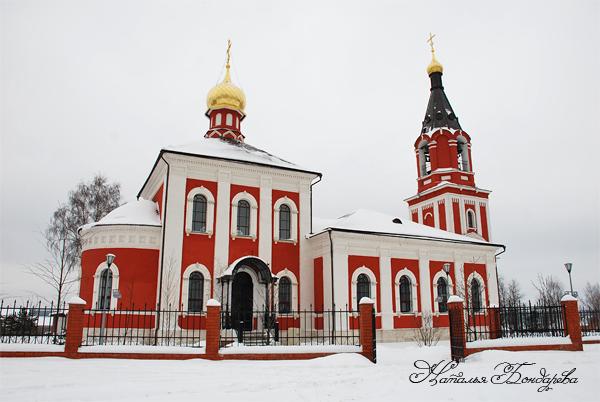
(219, 218)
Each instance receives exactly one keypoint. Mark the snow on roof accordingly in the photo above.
(375, 222)
(138, 212)
(235, 151)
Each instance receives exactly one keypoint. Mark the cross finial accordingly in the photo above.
(228, 52)
(430, 41)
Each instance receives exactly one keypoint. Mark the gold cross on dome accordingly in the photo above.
(228, 51)
(430, 41)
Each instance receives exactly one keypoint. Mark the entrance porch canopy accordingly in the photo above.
(258, 265)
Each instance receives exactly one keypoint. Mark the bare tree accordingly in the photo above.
(591, 296)
(427, 335)
(88, 202)
(549, 290)
(514, 295)
(58, 269)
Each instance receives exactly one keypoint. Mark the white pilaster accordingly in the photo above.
(459, 276)
(449, 214)
(425, 283)
(477, 210)
(420, 213)
(436, 214)
(306, 264)
(222, 223)
(340, 275)
(265, 211)
(492, 279)
(386, 288)
(463, 221)
(173, 227)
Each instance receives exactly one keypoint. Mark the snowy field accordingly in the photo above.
(345, 377)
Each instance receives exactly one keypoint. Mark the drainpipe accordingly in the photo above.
(311, 202)
(332, 281)
(497, 278)
(162, 249)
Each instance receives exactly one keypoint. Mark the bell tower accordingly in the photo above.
(447, 197)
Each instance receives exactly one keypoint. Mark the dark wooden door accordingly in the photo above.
(241, 301)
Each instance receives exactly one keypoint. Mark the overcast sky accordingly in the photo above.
(101, 86)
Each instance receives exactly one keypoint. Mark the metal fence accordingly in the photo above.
(526, 320)
(143, 326)
(302, 327)
(590, 322)
(33, 323)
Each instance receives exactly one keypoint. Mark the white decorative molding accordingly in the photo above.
(114, 285)
(475, 275)
(293, 217)
(448, 278)
(294, 290)
(121, 236)
(185, 286)
(244, 195)
(413, 291)
(373, 283)
(210, 210)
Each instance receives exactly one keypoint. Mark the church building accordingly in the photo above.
(219, 218)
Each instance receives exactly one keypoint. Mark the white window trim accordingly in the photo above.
(210, 211)
(439, 274)
(185, 286)
(115, 285)
(413, 292)
(229, 120)
(294, 290)
(293, 218)
(475, 275)
(372, 279)
(244, 195)
(470, 210)
(218, 119)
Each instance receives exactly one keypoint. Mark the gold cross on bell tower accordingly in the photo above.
(430, 41)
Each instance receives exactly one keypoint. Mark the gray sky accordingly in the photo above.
(101, 86)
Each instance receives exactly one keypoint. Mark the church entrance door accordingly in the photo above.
(242, 301)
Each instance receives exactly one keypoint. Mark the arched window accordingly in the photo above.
(462, 150)
(285, 223)
(229, 119)
(405, 295)
(218, 119)
(471, 220)
(285, 295)
(195, 292)
(363, 287)
(243, 218)
(104, 292)
(475, 295)
(199, 214)
(424, 159)
(442, 291)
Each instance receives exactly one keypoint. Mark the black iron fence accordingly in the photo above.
(33, 323)
(590, 322)
(526, 320)
(143, 326)
(303, 327)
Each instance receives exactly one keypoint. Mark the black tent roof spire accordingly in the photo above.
(439, 112)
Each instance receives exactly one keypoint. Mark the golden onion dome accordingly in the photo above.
(435, 66)
(226, 95)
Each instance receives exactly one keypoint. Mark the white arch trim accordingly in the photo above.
(475, 275)
(115, 284)
(290, 275)
(210, 210)
(185, 285)
(244, 195)
(373, 281)
(293, 217)
(469, 212)
(413, 291)
(448, 278)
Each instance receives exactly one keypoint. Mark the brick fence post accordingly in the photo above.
(74, 326)
(365, 319)
(571, 319)
(213, 328)
(456, 325)
(494, 322)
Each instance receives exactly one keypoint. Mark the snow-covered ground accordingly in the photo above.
(344, 377)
